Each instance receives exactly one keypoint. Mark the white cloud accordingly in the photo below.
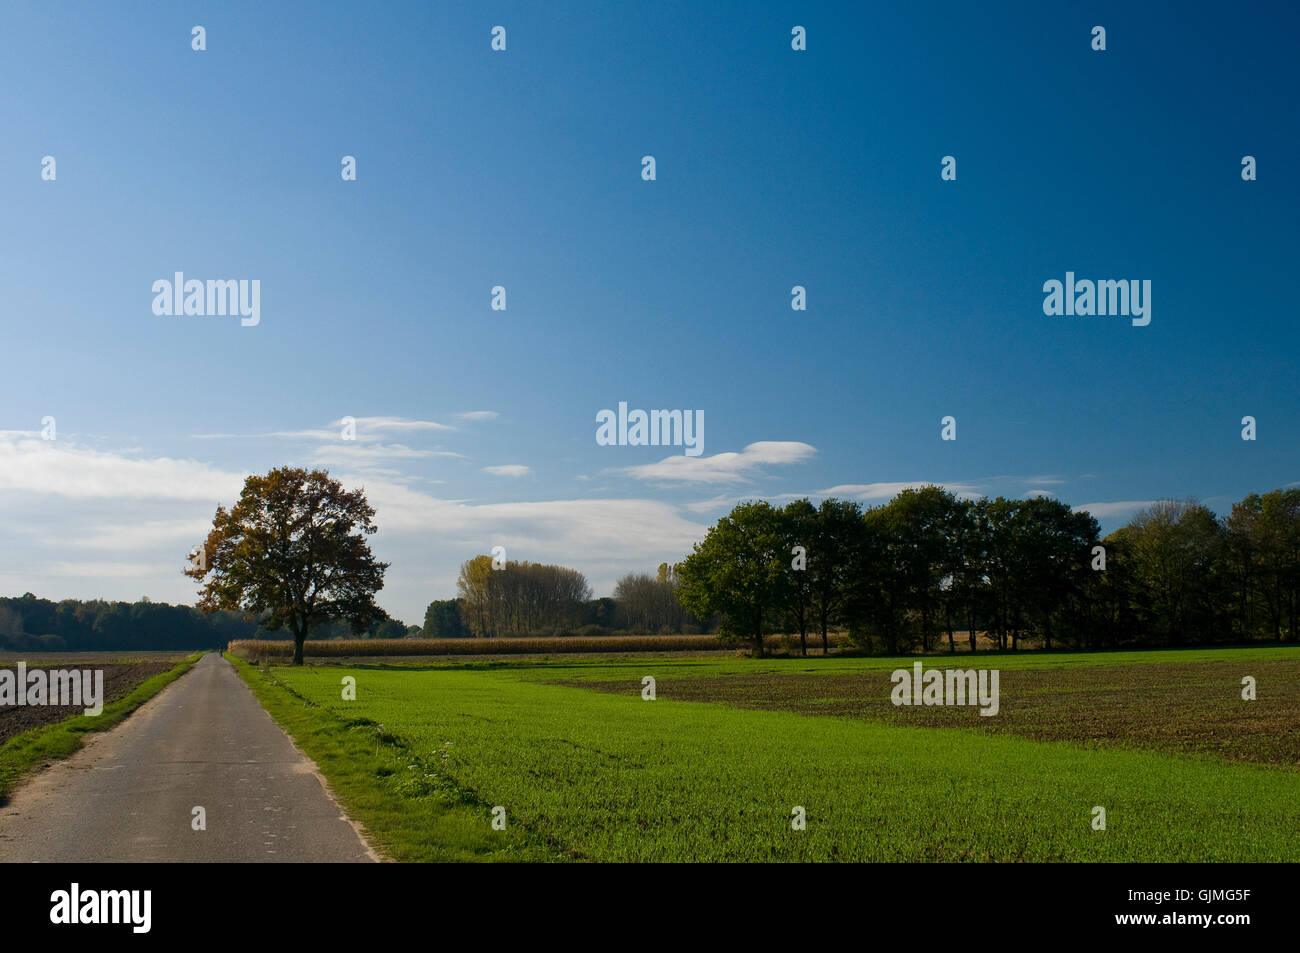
(508, 470)
(363, 445)
(105, 569)
(720, 502)
(603, 538)
(376, 425)
(887, 491)
(274, 434)
(1119, 508)
(367, 430)
(365, 454)
(479, 415)
(730, 467)
(60, 468)
(180, 534)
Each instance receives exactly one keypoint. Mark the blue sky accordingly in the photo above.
(522, 168)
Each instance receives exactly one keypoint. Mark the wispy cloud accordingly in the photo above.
(730, 467)
(360, 442)
(1117, 508)
(872, 492)
(103, 569)
(379, 425)
(479, 415)
(367, 429)
(722, 501)
(177, 533)
(364, 454)
(508, 470)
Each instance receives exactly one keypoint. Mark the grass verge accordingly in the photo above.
(34, 749)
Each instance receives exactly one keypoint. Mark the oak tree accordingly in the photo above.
(293, 548)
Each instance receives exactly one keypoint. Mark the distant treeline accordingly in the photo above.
(899, 576)
(30, 624)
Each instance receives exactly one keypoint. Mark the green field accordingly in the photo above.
(712, 769)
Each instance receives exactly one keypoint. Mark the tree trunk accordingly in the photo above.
(825, 647)
(298, 640)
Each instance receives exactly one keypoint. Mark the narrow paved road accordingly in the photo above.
(204, 741)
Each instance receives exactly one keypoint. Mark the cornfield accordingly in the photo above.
(258, 650)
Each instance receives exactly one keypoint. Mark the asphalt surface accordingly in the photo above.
(204, 741)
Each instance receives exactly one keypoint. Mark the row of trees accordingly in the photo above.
(899, 576)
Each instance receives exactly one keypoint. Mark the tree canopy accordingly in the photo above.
(293, 547)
